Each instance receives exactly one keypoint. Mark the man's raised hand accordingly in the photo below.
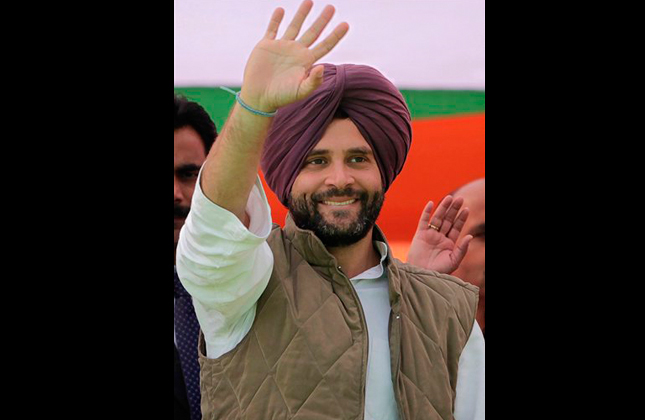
(279, 71)
(436, 245)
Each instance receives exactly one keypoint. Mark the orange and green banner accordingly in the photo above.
(448, 150)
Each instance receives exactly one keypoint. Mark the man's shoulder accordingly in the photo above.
(434, 288)
(280, 245)
(276, 233)
(275, 227)
(431, 278)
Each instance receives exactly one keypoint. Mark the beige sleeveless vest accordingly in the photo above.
(305, 357)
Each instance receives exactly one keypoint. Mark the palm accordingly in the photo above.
(279, 71)
(435, 251)
(438, 248)
(277, 68)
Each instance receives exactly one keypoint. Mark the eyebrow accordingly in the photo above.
(363, 150)
(317, 152)
(189, 167)
(353, 150)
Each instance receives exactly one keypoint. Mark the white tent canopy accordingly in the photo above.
(418, 44)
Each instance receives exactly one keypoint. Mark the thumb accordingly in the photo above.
(461, 248)
(312, 82)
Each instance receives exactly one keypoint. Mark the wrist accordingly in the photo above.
(255, 102)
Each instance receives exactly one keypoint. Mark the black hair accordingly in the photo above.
(191, 114)
(340, 114)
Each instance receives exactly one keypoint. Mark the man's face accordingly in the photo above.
(189, 157)
(338, 193)
(472, 268)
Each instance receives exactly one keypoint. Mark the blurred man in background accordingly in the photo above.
(458, 223)
(194, 136)
(473, 267)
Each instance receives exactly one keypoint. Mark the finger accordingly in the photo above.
(328, 44)
(318, 26)
(459, 224)
(312, 82)
(437, 219)
(274, 24)
(295, 25)
(425, 216)
(451, 214)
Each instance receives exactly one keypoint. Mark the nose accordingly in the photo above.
(339, 176)
(179, 195)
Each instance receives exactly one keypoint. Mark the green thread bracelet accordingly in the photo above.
(245, 106)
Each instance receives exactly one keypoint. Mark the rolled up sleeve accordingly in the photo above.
(225, 266)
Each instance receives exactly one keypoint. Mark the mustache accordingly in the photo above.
(181, 211)
(338, 192)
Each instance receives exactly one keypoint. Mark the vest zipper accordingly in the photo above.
(366, 343)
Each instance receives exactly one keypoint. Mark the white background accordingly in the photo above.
(422, 44)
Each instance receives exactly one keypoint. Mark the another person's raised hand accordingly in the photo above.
(279, 71)
(435, 246)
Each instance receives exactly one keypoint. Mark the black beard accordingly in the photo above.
(305, 214)
(181, 211)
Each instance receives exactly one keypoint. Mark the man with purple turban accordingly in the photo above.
(318, 320)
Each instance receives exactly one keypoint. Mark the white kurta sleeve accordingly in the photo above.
(469, 401)
(225, 266)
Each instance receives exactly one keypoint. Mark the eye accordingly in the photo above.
(187, 175)
(357, 159)
(479, 235)
(317, 161)
(191, 174)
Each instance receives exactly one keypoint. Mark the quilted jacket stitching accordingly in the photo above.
(450, 305)
(312, 392)
(266, 378)
(323, 375)
(415, 271)
(300, 326)
(404, 376)
(426, 336)
(313, 357)
(461, 323)
(237, 398)
(257, 315)
(265, 363)
(292, 338)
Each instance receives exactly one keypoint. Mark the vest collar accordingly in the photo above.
(308, 245)
(315, 253)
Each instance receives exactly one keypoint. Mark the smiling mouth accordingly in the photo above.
(339, 203)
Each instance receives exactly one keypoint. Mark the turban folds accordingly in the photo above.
(371, 101)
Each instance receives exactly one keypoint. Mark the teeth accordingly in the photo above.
(344, 203)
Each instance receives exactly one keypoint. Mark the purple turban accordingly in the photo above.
(371, 101)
